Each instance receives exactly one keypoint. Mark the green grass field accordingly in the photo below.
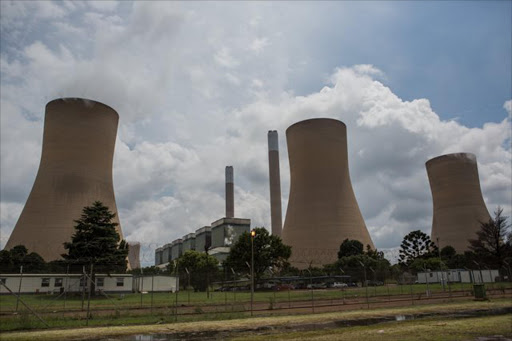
(55, 302)
(424, 329)
(66, 311)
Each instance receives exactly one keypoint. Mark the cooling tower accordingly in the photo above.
(322, 208)
(230, 196)
(75, 170)
(275, 183)
(458, 203)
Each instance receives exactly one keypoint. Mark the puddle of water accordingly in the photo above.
(404, 317)
(220, 335)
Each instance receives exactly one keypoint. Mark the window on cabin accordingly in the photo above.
(45, 282)
(58, 282)
(100, 282)
(120, 281)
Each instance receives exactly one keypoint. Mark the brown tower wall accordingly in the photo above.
(458, 205)
(322, 208)
(230, 195)
(275, 183)
(75, 170)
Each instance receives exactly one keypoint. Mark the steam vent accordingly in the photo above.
(75, 170)
(458, 203)
(322, 208)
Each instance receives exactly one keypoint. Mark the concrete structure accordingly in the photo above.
(226, 231)
(230, 196)
(189, 242)
(458, 204)
(134, 254)
(176, 249)
(75, 170)
(166, 253)
(203, 238)
(459, 276)
(275, 183)
(322, 208)
(158, 256)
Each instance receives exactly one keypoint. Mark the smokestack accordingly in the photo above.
(75, 170)
(275, 183)
(322, 208)
(458, 205)
(230, 197)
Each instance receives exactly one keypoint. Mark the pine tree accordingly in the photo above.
(415, 245)
(96, 243)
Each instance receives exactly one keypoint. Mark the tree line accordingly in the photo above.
(96, 247)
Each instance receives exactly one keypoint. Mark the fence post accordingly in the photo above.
(19, 287)
(89, 286)
(152, 290)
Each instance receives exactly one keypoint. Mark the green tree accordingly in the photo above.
(12, 260)
(201, 268)
(350, 247)
(448, 252)
(269, 251)
(416, 244)
(96, 242)
(421, 264)
(148, 270)
(491, 244)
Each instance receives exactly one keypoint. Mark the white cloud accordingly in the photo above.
(224, 58)
(191, 100)
(107, 6)
(258, 44)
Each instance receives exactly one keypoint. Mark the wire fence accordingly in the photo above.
(155, 298)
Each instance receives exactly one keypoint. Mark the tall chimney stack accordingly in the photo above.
(275, 183)
(230, 197)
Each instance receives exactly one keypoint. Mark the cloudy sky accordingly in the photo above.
(197, 85)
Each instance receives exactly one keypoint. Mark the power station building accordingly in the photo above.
(75, 171)
(216, 239)
(322, 208)
(458, 205)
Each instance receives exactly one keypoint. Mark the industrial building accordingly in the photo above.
(75, 171)
(203, 238)
(215, 239)
(458, 205)
(274, 174)
(322, 208)
(189, 242)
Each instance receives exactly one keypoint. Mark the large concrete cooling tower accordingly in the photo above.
(275, 183)
(322, 208)
(75, 170)
(458, 203)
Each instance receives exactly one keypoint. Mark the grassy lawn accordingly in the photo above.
(133, 300)
(435, 329)
(153, 324)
